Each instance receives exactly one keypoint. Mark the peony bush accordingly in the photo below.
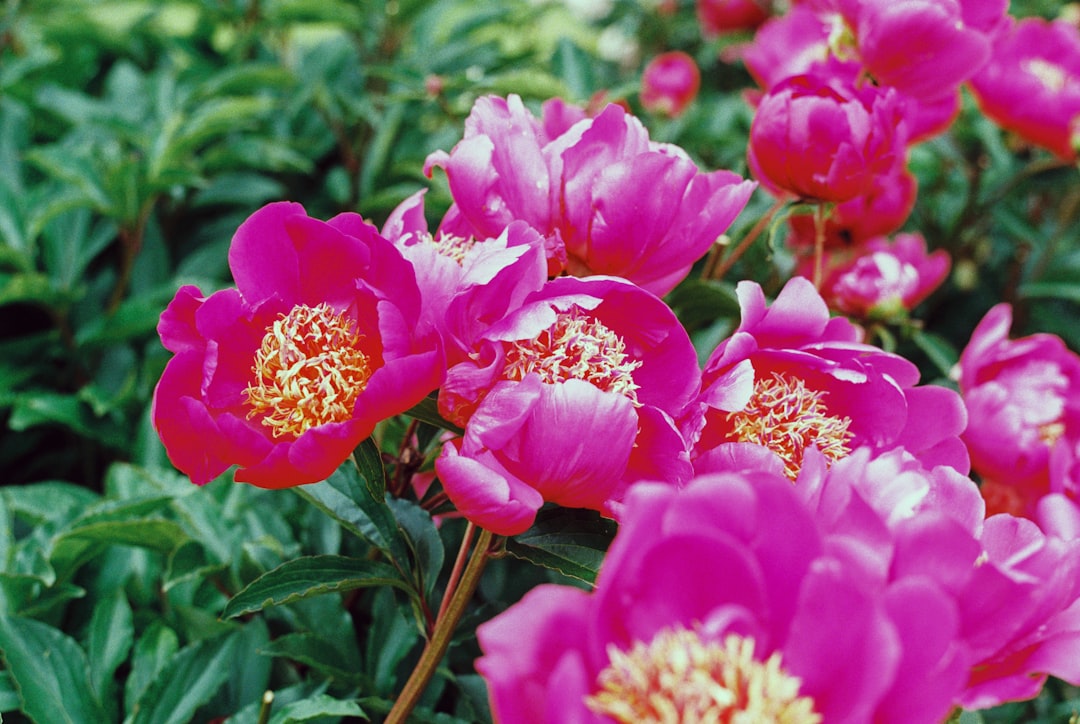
(728, 371)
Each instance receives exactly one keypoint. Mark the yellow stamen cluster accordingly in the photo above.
(575, 347)
(677, 677)
(308, 371)
(454, 247)
(1051, 432)
(787, 417)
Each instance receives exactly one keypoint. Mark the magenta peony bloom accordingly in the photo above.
(466, 284)
(1031, 86)
(718, 17)
(569, 398)
(722, 602)
(791, 378)
(1023, 397)
(883, 279)
(820, 137)
(669, 83)
(285, 374)
(1013, 589)
(787, 45)
(621, 204)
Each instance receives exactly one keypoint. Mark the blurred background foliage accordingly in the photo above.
(135, 136)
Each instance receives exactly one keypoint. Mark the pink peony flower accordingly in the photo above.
(791, 378)
(721, 601)
(621, 204)
(1031, 85)
(787, 45)
(883, 279)
(1013, 589)
(568, 399)
(1023, 397)
(669, 83)
(819, 137)
(466, 284)
(285, 374)
(718, 17)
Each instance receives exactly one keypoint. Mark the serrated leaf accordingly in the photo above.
(190, 679)
(50, 672)
(311, 576)
(567, 540)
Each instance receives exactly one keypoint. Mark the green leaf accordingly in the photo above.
(567, 540)
(186, 682)
(315, 707)
(9, 696)
(311, 576)
(153, 651)
(50, 672)
(940, 351)
(427, 410)
(1053, 290)
(369, 462)
(315, 651)
(111, 635)
(698, 302)
(424, 540)
(345, 497)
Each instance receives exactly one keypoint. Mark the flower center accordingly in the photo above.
(454, 247)
(787, 417)
(308, 372)
(1052, 76)
(575, 347)
(677, 677)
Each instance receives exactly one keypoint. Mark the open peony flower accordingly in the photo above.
(820, 136)
(567, 399)
(721, 602)
(1032, 84)
(791, 378)
(1023, 397)
(618, 203)
(285, 374)
(669, 83)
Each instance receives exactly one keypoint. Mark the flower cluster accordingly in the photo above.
(799, 539)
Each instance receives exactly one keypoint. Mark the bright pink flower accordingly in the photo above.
(621, 204)
(717, 17)
(1014, 589)
(1023, 397)
(669, 83)
(568, 399)
(819, 137)
(787, 45)
(466, 284)
(707, 588)
(1031, 85)
(285, 374)
(883, 279)
(791, 378)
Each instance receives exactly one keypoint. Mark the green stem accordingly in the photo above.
(717, 271)
(264, 707)
(444, 631)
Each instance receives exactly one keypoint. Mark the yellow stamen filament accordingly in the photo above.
(1051, 432)
(787, 417)
(677, 677)
(308, 371)
(454, 247)
(575, 347)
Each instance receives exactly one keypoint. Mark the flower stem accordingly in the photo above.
(455, 573)
(717, 271)
(445, 623)
(820, 217)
